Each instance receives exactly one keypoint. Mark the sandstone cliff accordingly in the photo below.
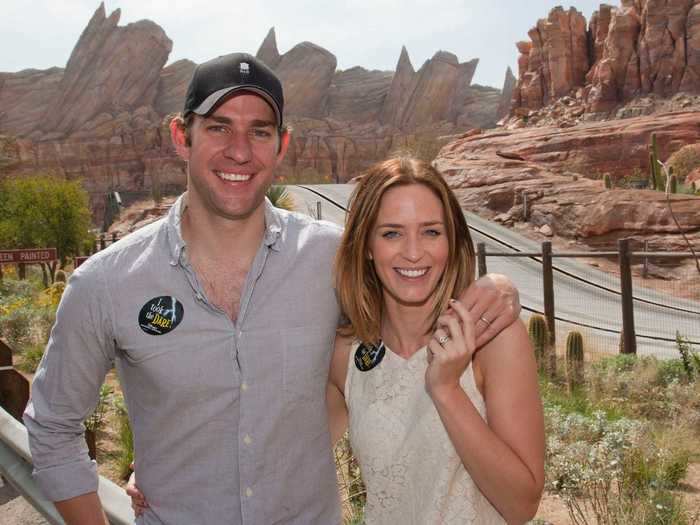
(643, 47)
(101, 118)
(560, 172)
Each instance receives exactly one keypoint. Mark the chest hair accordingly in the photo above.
(223, 283)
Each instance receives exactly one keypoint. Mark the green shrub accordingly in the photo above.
(281, 198)
(125, 456)
(617, 363)
(30, 358)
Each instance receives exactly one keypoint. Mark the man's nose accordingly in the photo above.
(239, 148)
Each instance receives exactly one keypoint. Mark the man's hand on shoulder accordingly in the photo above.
(494, 304)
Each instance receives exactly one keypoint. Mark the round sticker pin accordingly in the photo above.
(161, 315)
(367, 356)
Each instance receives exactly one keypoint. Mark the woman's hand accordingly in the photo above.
(138, 500)
(450, 350)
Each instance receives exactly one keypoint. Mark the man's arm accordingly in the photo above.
(65, 391)
(494, 304)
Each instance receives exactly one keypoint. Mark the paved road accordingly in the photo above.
(581, 298)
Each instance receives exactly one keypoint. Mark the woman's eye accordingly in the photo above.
(433, 233)
(390, 234)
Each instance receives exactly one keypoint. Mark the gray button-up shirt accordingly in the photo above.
(229, 419)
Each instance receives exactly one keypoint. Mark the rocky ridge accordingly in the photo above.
(101, 118)
(642, 48)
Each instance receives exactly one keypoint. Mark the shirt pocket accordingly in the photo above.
(307, 353)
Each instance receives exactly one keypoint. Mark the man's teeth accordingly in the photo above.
(412, 273)
(233, 177)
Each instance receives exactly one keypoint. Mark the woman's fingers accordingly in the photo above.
(467, 327)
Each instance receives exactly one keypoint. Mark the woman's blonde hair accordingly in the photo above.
(357, 284)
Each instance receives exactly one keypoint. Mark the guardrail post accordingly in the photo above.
(629, 341)
(103, 241)
(645, 267)
(14, 388)
(481, 258)
(548, 290)
(114, 237)
(318, 210)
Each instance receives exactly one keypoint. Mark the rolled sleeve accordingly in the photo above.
(66, 387)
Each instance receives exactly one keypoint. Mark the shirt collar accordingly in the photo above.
(174, 227)
(273, 226)
(271, 238)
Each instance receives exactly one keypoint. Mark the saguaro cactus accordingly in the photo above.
(656, 174)
(537, 330)
(574, 359)
(673, 184)
(607, 181)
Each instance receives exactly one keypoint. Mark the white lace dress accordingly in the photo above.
(411, 469)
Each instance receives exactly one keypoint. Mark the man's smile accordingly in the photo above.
(233, 177)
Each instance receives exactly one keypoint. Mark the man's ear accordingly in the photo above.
(285, 137)
(178, 136)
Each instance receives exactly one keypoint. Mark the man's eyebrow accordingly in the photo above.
(257, 123)
(220, 119)
(262, 124)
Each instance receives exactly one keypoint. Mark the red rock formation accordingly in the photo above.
(112, 69)
(267, 52)
(506, 97)
(557, 58)
(553, 173)
(642, 47)
(24, 98)
(172, 87)
(101, 119)
(402, 84)
(306, 72)
(357, 95)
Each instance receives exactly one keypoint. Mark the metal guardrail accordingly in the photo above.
(16, 468)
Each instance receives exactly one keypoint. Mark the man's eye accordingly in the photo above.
(217, 129)
(261, 133)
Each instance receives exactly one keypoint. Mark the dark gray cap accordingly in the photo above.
(217, 79)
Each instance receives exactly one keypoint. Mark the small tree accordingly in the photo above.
(42, 211)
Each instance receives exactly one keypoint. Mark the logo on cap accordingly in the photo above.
(244, 68)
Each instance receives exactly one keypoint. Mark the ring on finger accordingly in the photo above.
(486, 321)
(443, 339)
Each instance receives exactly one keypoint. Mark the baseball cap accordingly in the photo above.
(220, 77)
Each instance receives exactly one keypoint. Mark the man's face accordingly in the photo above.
(232, 156)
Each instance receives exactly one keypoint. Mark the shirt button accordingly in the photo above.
(247, 439)
(249, 492)
(244, 386)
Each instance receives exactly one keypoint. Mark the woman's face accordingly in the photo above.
(408, 244)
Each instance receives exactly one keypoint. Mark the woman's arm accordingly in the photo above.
(505, 457)
(335, 390)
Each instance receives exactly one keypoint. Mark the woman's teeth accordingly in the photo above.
(412, 273)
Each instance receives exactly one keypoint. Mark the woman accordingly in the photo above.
(407, 377)
(408, 380)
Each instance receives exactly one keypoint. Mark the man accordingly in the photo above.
(220, 319)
